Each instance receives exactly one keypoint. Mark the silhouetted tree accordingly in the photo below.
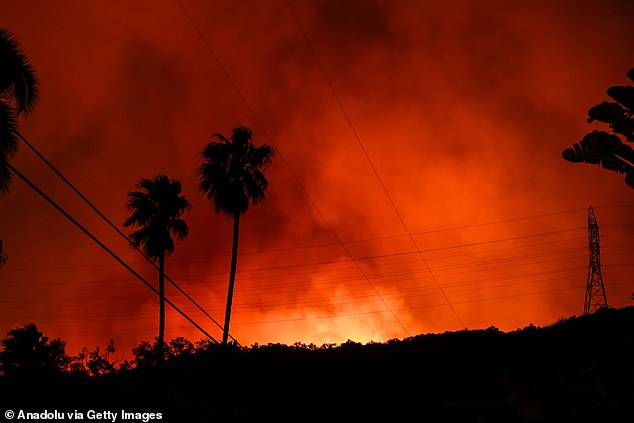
(99, 364)
(93, 363)
(148, 354)
(180, 346)
(604, 149)
(157, 211)
(18, 95)
(232, 177)
(26, 353)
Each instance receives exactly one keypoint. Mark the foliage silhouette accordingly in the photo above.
(156, 212)
(604, 149)
(231, 177)
(27, 354)
(579, 369)
(93, 363)
(18, 95)
(149, 354)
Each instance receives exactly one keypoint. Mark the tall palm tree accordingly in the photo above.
(231, 177)
(156, 212)
(18, 95)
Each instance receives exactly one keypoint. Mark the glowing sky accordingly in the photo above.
(461, 108)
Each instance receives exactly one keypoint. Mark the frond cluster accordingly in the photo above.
(18, 83)
(231, 174)
(18, 95)
(156, 212)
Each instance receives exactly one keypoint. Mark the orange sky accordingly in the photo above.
(462, 108)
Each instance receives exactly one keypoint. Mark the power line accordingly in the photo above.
(382, 238)
(402, 293)
(385, 237)
(372, 257)
(364, 258)
(408, 274)
(103, 246)
(462, 286)
(113, 226)
(345, 300)
(326, 283)
(281, 157)
(366, 155)
(424, 232)
(405, 275)
(550, 279)
(369, 160)
(355, 297)
(329, 316)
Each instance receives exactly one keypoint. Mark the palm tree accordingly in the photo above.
(18, 95)
(156, 212)
(231, 176)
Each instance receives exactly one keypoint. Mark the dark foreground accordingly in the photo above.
(578, 370)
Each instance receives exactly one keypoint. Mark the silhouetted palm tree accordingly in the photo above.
(157, 211)
(18, 95)
(231, 177)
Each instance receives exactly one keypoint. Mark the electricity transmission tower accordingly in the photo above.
(595, 291)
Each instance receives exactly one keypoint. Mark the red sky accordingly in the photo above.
(463, 109)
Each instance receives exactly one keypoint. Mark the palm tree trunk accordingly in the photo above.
(161, 337)
(232, 277)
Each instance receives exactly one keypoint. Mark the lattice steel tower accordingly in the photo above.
(595, 291)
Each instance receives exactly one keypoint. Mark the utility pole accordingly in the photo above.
(595, 291)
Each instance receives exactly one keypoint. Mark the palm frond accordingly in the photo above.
(8, 145)
(179, 228)
(231, 173)
(6, 177)
(139, 236)
(156, 211)
(261, 156)
(8, 131)
(222, 137)
(18, 81)
(256, 185)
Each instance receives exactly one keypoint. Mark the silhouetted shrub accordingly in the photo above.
(28, 354)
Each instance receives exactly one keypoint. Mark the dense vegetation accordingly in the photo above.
(578, 370)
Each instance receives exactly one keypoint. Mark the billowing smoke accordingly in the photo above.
(390, 121)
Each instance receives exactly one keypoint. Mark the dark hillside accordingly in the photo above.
(577, 370)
